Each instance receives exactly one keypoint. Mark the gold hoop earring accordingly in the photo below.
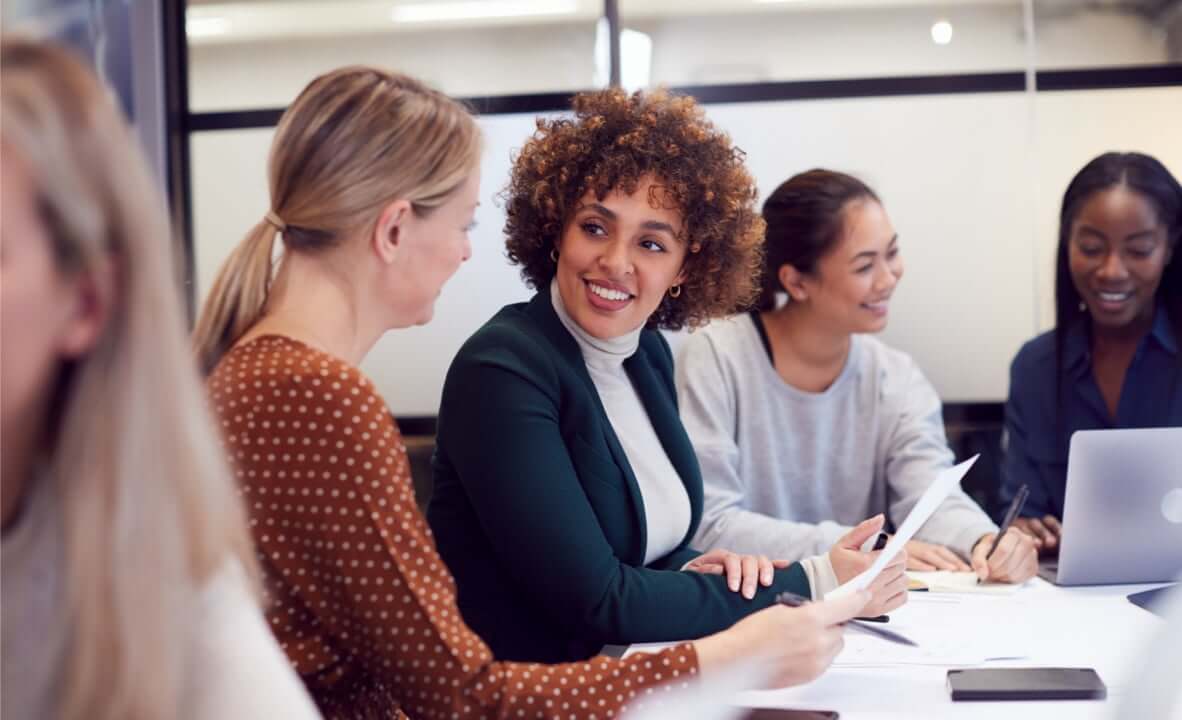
(675, 291)
(554, 255)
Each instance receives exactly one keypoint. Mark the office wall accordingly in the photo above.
(971, 182)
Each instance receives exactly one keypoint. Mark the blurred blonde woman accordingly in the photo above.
(125, 554)
(373, 184)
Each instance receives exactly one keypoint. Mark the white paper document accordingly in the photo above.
(952, 631)
(931, 499)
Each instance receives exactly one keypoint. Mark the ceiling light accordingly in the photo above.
(941, 32)
(474, 10)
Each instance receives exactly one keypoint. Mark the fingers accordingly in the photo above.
(1037, 529)
(839, 610)
(862, 532)
(767, 571)
(1018, 559)
(915, 563)
(979, 564)
(781, 564)
(1053, 525)
(937, 557)
(734, 571)
(750, 565)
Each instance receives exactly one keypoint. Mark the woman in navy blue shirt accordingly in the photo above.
(1112, 360)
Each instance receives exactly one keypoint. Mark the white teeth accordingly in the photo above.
(606, 293)
(1115, 297)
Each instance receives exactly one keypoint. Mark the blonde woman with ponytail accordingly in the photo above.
(373, 185)
(126, 560)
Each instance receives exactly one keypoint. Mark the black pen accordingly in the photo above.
(794, 600)
(1015, 508)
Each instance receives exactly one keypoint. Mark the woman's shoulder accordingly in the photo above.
(734, 336)
(1035, 354)
(282, 373)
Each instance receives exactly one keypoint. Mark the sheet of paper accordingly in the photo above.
(923, 509)
(951, 631)
(960, 582)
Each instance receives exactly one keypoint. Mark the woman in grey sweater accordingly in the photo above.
(802, 422)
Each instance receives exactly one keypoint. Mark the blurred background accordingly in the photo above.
(968, 116)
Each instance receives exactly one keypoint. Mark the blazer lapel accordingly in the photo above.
(661, 406)
(542, 312)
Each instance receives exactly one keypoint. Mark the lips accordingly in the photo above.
(878, 307)
(607, 295)
(1112, 301)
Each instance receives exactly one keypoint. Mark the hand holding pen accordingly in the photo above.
(1008, 555)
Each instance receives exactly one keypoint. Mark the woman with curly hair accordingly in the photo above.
(802, 421)
(566, 489)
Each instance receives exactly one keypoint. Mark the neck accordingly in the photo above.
(313, 303)
(1123, 337)
(20, 440)
(815, 344)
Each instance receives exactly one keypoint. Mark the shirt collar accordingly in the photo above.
(1077, 351)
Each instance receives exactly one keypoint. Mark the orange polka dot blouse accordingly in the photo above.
(357, 595)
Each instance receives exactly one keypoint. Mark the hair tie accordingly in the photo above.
(275, 221)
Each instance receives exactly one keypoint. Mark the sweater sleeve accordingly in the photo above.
(916, 451)
(357, 591)
(500, 416)
(711, 416)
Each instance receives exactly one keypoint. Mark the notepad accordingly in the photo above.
(959, 582)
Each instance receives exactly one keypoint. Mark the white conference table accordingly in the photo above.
(1093, 627)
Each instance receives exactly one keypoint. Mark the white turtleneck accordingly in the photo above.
(666, 503)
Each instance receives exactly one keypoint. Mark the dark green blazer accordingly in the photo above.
(536, 510)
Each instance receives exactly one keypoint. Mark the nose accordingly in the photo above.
(886, 278)
(1113, 267)
(615, 260)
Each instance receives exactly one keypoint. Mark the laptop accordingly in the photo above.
(1122, 515)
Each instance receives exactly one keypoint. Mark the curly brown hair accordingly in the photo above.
(611, 143)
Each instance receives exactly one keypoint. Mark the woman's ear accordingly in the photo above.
(93, 298)
(792, 280)
(390, 230)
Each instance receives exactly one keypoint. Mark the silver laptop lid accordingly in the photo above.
(1122, 515)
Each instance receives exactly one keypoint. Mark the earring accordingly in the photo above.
(675, 291)
(554, 255)
(1083, 306)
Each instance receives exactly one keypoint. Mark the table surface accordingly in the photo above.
(1093, 627)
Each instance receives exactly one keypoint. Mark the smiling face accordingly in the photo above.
(852, 285)
(617, 258)
(1117, 251)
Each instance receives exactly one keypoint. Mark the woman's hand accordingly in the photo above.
(1045, 532)
(889, 589)
(795, 644)
(1014, 561)
(926, 556)
(744, 573)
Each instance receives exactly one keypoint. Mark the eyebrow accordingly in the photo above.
(1132, 236)
(867, 254)
(647, 224)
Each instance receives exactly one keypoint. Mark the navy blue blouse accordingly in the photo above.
(1037, 440)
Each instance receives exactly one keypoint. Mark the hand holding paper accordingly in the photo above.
(936, 493)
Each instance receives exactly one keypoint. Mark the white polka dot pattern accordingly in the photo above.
(357, 594)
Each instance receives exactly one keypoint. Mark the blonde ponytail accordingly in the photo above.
(238, 295)
(353, 141)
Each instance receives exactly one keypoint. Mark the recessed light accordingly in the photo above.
(941, 32)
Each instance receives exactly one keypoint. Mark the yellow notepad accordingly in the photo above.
(956, 582)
